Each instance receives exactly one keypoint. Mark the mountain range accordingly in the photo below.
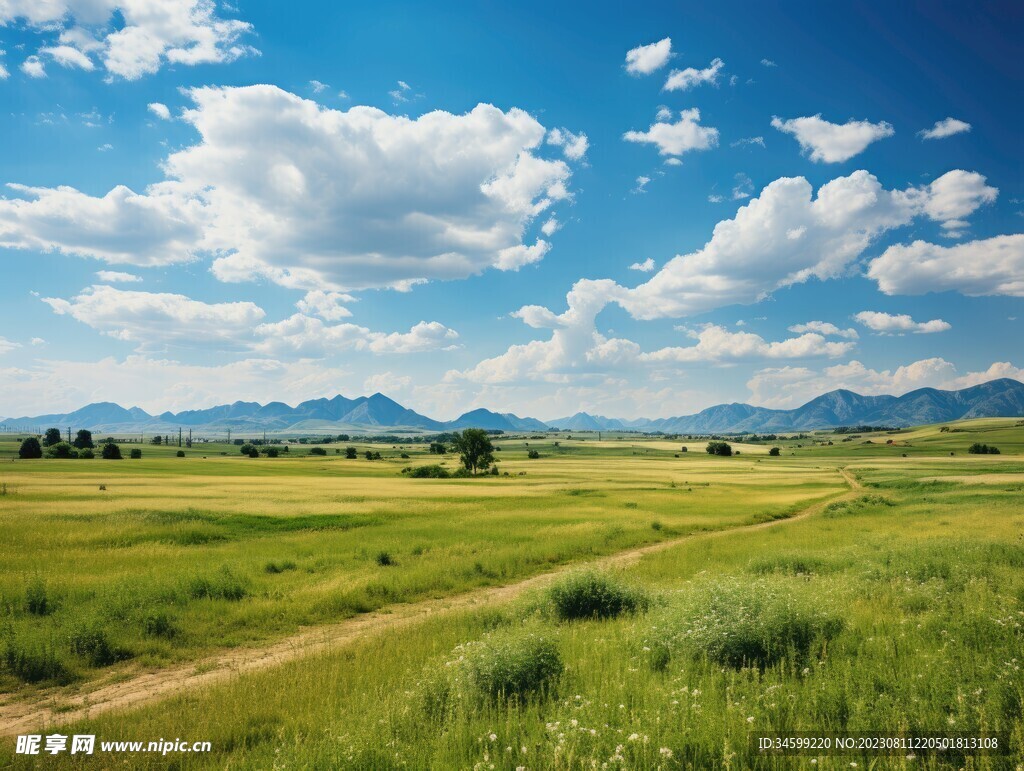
(379, 414)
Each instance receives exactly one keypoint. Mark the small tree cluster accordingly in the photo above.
(719, 448)
(983, 449)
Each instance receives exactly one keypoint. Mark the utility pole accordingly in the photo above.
(69, 434)
(179, 436)
(229, 436)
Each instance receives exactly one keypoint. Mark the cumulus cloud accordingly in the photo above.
(833, 142)
(33, 67)
(115, 276)
(787, 387)
(824, 328)
(131, 38)
(159, 319)
(6, 346)
(716, 344)
(574, 146)
(308, 337)
(643, 60)
(990, 266)
(683, 80)
(644, 267)
(674, 139)
(892, 324)
(945, 128)
(159, 110)
(326, 305)
(313, 198)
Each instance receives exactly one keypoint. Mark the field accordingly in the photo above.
(842, 586)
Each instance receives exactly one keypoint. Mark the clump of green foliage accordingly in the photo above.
(433, 471)
(592, 595)
(719, 448)
(982, 449)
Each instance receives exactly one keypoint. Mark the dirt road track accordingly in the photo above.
(148, 687)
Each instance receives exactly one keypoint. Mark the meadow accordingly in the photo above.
(894, 606)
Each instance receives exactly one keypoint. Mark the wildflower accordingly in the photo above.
(493, 737)
(665, 753)
(750, 719)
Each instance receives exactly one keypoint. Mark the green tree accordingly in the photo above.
(157, 440)
(350, 452)
(61, 450)
(110, 451)
(438, 448)
(775, 452)
(30, 449)
(52, 437)
(135, 453)
(475, 449)
(533, 454)
(83, 440)
(719, 448)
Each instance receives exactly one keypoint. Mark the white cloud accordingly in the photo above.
(717, 344)
(743, 188)
(159, 110)
(132, 38)
(307, 337)
(644, 267)
(318, 86)
(748, 142)
(550, 227)
(574, 146)
(641, 184)
(387, 383)
(991, 266)
(114, 276)
(768, 63)
(824, 328)
(945, 128)
(833, 142)
(683, 80)
(787, 387)
(677, 138)
(69, 56)
(33, 67)
(643, 60)
(314, 198)
(715, 198)
(158, 319)
(955, 196)
(889, 324)
(326, 305)
(6, 346)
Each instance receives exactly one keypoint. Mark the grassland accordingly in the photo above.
(896, 608)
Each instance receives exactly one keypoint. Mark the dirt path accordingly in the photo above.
(57, 709)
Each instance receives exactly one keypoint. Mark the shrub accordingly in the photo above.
(158, 623)
(533, 454)
(982, 449)
(589, 595)
(92, 643)
(317, 451)
(384, 559)
(37, 601)
(433, 471)
(86, 454)
(279, 567)
(272, 452)
(742, 623)
(405, 456)
(775, 452)
(223, 586)
(245, 449)
(179, 454)
(254, 453)
(30, 449)
(350, 453)
(111, 451)
(135, 453)
(718, 448)
(33, 664)
(61, 450)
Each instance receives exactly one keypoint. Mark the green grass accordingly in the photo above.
(900, 609)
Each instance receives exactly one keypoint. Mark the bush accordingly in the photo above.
(591, 595)
(434, 471)
(775, 452)
(254, 453)
(92, 643)
(30, 449)
(179, 454)
(350, 453)
(279, 567)
(384, 559)
(135, 453)
(982, 449)
(33, 664)
(110, 451)
(533, 454)
(317, 451)
(223, 586)
(719, 448)
(37, 601)
(86, 454)
(158, 623)
(245, 449)
(743, 623)
(61, 450)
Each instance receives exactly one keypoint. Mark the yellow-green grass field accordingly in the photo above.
(897, 607)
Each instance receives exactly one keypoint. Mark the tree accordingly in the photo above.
(317, 451)
(52, 437)
(61, 450)
(719, 448)
(30, 449)
(350, 452)
(179, 454)
(475, 449)
(438, 448)
(110, 451)
(533, 454)
(157, 440)
(83, 440)
(775, 452)
(135, 453)
(245, 449)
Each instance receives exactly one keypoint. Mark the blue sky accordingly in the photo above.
(254, 201)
